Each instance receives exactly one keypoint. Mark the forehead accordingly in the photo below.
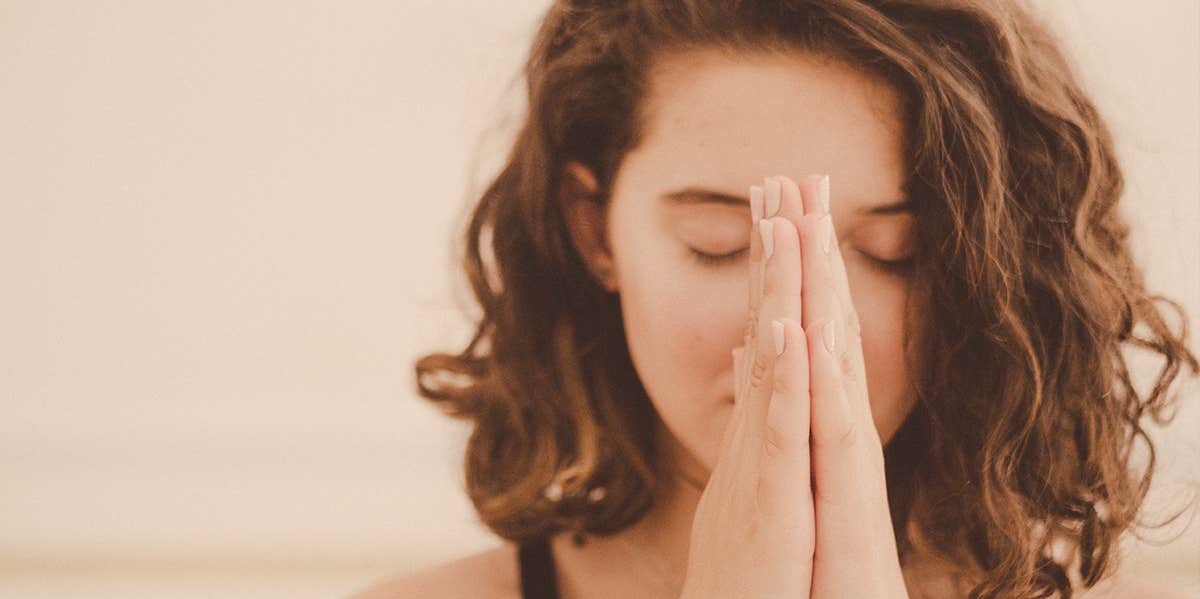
(729, 118)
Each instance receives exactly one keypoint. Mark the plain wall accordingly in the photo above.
(226, 232)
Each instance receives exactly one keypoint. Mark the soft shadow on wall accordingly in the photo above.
(228, 232)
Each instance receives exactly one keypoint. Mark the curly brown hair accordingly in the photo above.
(1023, 435)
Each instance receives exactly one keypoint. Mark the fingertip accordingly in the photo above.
(810, 189)
(737, 353)
(777, 331)
(786, 183)
(791, 204)
(756, 203)
(832, 416)
(790, 334)
(829, 336)
(788, 412)
(792, 328)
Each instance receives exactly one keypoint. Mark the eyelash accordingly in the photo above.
(896, 267)
(716, 259)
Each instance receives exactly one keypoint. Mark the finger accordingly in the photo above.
(790, 204)
(737, 354)
(819, 294)
(811, 190)
(849, 490)
(852, 362)
(833, 420)
(747, 356)
(743, 447)
(840, 411)
(823, 320)
(785, 482)
(849, 486)
(732, 450)
(731, 438)
(820, 188)
(783, 273)
(841, 282)
(781, 298)
(755, 266)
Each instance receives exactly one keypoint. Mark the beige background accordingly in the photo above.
(225, 232)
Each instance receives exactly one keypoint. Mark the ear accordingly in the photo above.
(587, 221)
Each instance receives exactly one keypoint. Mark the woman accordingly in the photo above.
(899, 377)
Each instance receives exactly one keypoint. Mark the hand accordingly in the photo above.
(763, 528)
(753, 532)
(855, 554)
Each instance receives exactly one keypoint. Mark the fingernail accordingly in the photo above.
(828, 337)
(773, 193)
(823, 192)
(826, 233)
(768, 238)
(756, 203)
(777, 332)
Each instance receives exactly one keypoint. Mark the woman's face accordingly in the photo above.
(716, 125)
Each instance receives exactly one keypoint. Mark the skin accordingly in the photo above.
(721, 124)
(803, 116)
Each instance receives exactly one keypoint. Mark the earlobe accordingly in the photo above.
(586, 219)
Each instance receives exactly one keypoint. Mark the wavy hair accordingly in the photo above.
(1023, 439)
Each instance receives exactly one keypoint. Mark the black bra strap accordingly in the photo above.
(538, 578)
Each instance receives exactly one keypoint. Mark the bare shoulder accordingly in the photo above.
(1124, 586)
(488, 574)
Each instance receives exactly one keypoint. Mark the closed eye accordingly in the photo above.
(716, 259)
(900, 267)
(895, 267)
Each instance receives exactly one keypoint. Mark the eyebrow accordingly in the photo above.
(901, 206)
(695, 195)
(698, 195)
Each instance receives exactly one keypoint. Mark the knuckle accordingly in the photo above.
(768, 282)
(854, 436)
(782, 386)
(853, 323)
(773, 444)
(848, 436)
(759, 368)
(846, 366)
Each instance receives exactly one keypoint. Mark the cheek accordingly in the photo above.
(881, 313)
(680, 343)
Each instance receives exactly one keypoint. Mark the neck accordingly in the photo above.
(650, 557)
(665, 532)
